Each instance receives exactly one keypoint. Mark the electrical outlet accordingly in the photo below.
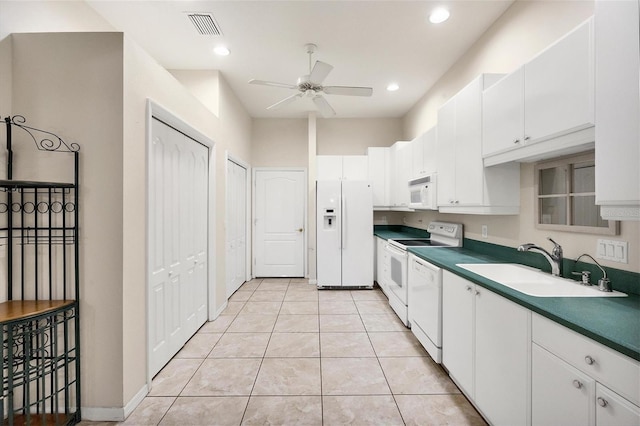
(615, 251)
(485, 231)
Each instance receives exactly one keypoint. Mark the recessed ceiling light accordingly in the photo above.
(438, 15)
(221, 51)
(392, 87)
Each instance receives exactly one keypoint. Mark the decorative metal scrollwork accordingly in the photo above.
(41, 207)
(44, 140)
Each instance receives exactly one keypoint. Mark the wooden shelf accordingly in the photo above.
(22, 309)
(33, 184)
(37, 420)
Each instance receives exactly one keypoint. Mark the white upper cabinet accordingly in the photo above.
(379, 175)
(429, 159)
(503, 114)
(546, 107)
(464, 184)
(417, 156)
(423, 154)
(401, 174)
(618, 109)
(341, 167)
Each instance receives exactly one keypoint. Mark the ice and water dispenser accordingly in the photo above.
(329, 215)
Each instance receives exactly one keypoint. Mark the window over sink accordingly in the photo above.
(565, 196)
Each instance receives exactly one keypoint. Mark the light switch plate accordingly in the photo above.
(612, 250)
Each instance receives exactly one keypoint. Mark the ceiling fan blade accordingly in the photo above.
(319, 72)
(272, 83)
(323, 106)
(285, 101)
(347, 90)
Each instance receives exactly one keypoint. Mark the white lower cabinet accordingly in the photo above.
(577, 381)
(382, 264)
(614, 410)
(486, 348)
(560, 394)
(458, 329)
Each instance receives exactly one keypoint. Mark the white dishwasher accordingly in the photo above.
(425, 305)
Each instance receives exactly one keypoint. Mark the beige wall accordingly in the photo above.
(203, 84)
(281, 142)
(523, 31)
(72, 85)
(6, 76)
(352, 136)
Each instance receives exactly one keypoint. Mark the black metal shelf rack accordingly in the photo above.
(39, 321)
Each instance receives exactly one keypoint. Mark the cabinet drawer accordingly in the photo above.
(609, 367)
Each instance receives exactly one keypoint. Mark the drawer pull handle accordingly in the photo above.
(602, 402)
(589, 360)
(577, 384)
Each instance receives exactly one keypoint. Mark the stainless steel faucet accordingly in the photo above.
(554, 258)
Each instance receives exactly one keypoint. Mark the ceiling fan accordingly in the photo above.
(311, 86)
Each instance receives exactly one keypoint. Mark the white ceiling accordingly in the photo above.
(369, 43)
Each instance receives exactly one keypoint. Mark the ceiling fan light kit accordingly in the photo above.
(310, 86)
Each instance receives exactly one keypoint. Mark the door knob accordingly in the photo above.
(300, 229)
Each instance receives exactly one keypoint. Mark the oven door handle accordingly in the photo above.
(398, 252)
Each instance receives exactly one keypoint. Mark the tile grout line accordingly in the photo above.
(320, 361)
(383, 373)
(255, 380)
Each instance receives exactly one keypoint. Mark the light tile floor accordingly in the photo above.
(284, 353)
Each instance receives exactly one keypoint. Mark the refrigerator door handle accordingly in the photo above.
(343, 217)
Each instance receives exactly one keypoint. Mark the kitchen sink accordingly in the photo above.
(534, 282)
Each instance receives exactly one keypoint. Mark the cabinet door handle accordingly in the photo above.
(577, 384)
(602, 402)
(477, 293)
(468, 288)
(516, 141)
(589, 360)
(526, 138)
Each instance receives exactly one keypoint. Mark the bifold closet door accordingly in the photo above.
(178, 182)
(236, 223)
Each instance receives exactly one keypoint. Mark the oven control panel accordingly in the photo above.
(451, 230)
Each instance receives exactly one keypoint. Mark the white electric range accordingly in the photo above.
(443, 234)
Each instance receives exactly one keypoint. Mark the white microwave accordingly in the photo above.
(423, 193)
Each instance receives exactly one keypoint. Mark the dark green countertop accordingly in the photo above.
(399, 231)
(612, 321)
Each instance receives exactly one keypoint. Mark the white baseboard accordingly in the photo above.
(135, 401)
(217, 313)
(114, 414)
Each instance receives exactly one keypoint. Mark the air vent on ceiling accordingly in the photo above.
(204, 23)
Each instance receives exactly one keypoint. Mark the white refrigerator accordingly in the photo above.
(344, 233)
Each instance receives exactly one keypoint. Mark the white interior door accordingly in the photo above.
(236, 220)
(279, 217)
(178, 188)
